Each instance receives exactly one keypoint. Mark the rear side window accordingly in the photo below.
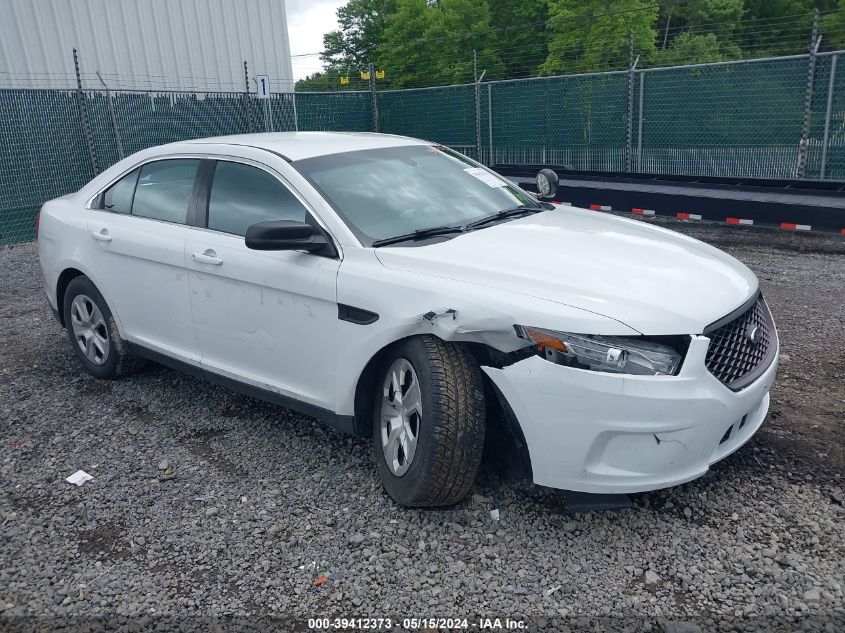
(164, 190)
(118, 197)
(242, 195)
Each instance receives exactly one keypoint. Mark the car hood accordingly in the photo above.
(654, 280)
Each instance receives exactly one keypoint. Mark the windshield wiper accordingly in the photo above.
(501, 215)
(419, 234)
(449, 229)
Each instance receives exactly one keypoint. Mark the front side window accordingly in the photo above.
(164, 190)
(381, 193)
(242, 195)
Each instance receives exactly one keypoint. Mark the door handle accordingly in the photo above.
(102, 235)
(208, 257)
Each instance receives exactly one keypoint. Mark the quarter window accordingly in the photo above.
(118, 197)
(164, 190)
(242, 195)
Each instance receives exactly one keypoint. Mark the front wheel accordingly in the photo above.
(428, 422)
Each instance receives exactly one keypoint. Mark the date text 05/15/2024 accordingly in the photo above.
(417, 624)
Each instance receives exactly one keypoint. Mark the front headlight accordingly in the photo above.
(615, 354)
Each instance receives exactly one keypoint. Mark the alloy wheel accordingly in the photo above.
(89, 329)
(401, 414)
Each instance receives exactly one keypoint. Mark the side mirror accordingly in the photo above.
(547, 182)
(284, 235)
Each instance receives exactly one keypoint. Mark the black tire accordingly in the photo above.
(450, 432)
(117, 362)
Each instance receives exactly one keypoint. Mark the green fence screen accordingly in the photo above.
(741, 119)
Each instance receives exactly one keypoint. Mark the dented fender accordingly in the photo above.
(414, 304)
(473, 324)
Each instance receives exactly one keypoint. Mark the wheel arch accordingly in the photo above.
(501, 422)
(366, 384)
(67, 275)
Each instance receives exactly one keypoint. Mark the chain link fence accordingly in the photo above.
(765, 118)
(445, 115)
(577, 122)
(42, 155)
(741, 119)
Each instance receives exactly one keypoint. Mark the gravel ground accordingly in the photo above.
(264, 501)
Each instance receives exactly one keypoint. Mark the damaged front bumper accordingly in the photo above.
(609, 433)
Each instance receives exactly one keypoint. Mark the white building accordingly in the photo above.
(194, 45)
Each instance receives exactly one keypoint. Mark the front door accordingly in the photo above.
(265, 318)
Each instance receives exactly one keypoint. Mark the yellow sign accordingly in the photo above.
(379, 74)
(365, 75)
(344, 81)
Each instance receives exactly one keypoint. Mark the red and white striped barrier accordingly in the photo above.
(683, 215)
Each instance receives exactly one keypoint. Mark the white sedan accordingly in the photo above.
(399, 290)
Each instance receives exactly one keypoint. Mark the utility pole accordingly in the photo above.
(629, 128)
(828, 110)
(477, 106)
(247, 104)
(804, 143)
(373, 93)
(490, 160)
(113, 118)
(83, 116)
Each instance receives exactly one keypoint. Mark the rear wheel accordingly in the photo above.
(93, 332)
(428, 422)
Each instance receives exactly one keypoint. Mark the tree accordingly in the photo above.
(776, 27)
(317, 82)
(329, 81)
(354, 44)
(519, 34)
(833, 29)
(464, 26)
(698, 32)
(690, 49)
(431, 44)
(593, 36)
(405, 53)
(720, 17)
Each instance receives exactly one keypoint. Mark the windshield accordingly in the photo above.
(382, 193)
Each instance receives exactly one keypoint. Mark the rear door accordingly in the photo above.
(262, 317)
(137, 237)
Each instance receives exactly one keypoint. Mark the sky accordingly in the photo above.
(308, 20)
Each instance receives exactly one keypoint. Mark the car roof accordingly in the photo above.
(301, 145)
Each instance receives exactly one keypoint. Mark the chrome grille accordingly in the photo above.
(732, 357)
